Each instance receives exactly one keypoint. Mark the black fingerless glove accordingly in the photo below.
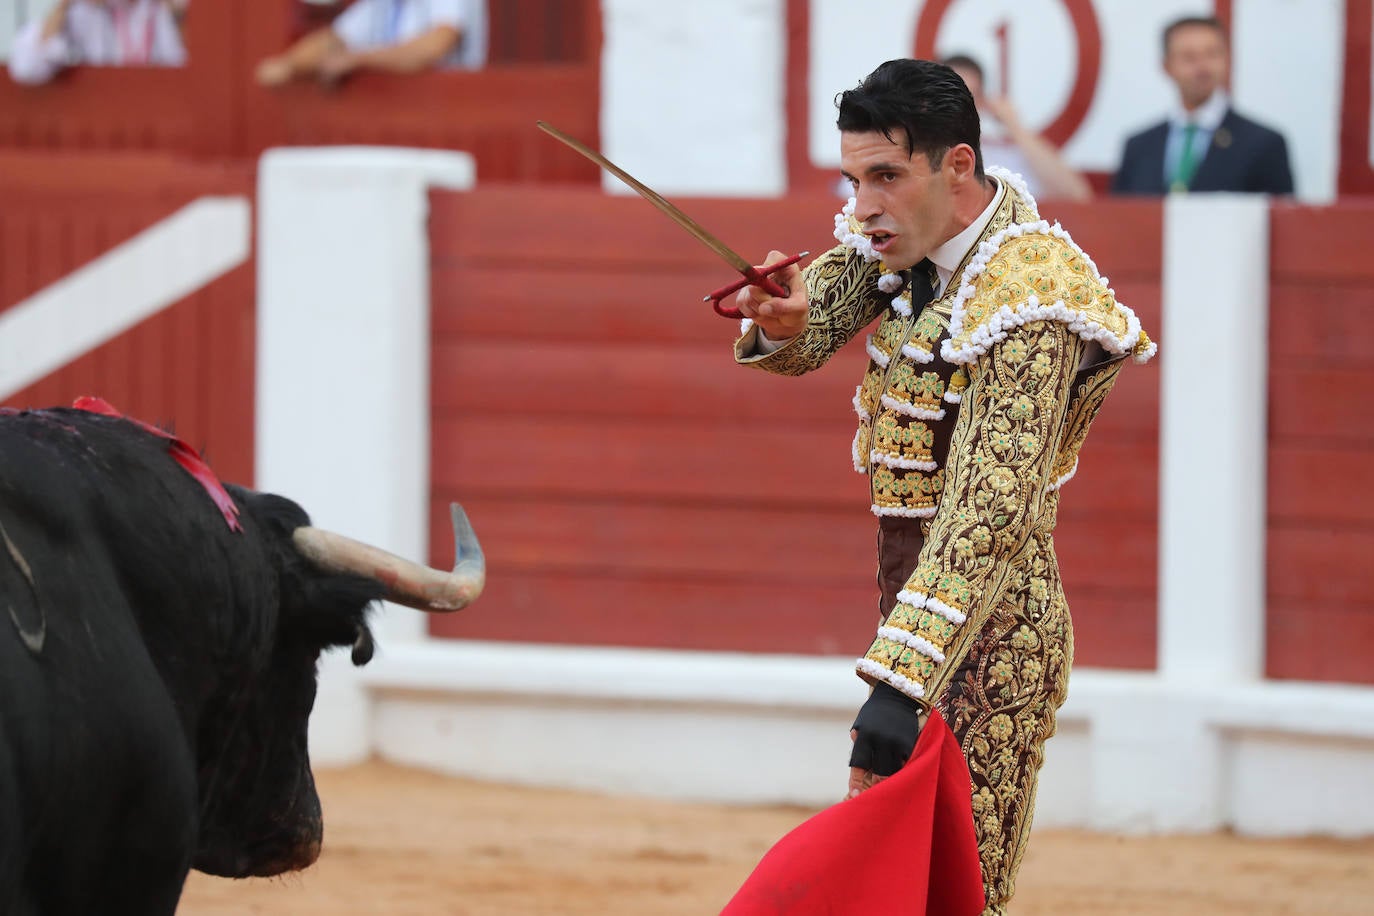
(887, 724)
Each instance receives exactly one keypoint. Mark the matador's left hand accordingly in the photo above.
(884, 735)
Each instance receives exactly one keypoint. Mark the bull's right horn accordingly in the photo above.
(408, 583)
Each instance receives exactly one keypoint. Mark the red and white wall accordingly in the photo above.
(679, 554)
(1085, 72)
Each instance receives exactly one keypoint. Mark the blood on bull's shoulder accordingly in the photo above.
(157, 662)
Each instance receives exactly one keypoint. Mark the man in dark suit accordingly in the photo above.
(1204, 145)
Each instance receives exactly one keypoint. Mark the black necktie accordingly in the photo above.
(923, 283)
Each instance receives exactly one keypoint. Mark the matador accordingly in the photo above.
(997, 341)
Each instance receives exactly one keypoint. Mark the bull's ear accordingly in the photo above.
(279, 515)
(326, 610)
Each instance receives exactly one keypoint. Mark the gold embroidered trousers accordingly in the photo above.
(1001, 701)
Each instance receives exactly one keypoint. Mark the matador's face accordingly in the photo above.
(904, 205)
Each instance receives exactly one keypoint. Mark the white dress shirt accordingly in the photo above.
(120, 33)
(950, 255)
(370, 24)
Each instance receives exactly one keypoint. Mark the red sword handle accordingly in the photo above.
(753, 277)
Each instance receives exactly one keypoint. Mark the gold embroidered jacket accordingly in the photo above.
(971, 412)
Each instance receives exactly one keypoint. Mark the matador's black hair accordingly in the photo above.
(925, 100)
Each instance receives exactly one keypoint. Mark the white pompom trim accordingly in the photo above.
(846, 232)
(952, 614)
(913, 600)
(1014, 181)
(953, 397)
(859, 404)
(903, 512)
(891, 678)
(917, 354)
(890, 283)
(910, 410)
(1064, 479)
(854, 452)
(878, 356)
(906, 464)
(901, 304)
(912, 641)
(918, 600)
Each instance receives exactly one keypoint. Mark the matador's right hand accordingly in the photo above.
(884, 736)
(780, 319)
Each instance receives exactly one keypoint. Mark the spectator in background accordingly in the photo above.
(101, 33)
(390, 36)
(1204, 145)
(1009, 143)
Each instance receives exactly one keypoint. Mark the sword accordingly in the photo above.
(753, 276)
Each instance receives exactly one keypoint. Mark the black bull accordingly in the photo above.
(157, 669)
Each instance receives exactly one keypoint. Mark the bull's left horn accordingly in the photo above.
(411, 584)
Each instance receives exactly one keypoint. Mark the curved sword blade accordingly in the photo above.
(653, 197)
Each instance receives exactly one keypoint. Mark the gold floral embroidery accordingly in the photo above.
(889, 490)
(904, 439)
(1048, 268)
(921, 391)
(913, 491)
(927, 330)
(1001, 705)
(888, 338)
(1089, 393)
(862, 436)
(842, 289)
(870, 391)
(989, 557)
(1002, 454)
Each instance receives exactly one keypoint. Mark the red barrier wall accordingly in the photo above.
(634, 487)
(1321, 444)
(544, 63)
(190, 366)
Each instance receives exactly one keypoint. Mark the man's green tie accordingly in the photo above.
(1187, 161)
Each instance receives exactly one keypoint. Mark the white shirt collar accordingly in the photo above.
(950, 255)
(1208, 115)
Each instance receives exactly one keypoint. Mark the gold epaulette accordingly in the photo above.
(1034, 272)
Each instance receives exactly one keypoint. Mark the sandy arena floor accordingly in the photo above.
(401, 842)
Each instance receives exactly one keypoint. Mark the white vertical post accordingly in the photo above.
(1214, 389)
(343, 367)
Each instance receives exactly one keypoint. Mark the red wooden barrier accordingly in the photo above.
(544, 63)
(634, 487)
(191, 366)
(1321, 444)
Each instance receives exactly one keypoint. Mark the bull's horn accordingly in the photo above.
(406, 583)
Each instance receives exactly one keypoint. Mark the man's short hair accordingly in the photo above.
(966, 62)
(925, 100)
(1210, 22)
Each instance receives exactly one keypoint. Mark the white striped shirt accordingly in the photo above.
(118, 33)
